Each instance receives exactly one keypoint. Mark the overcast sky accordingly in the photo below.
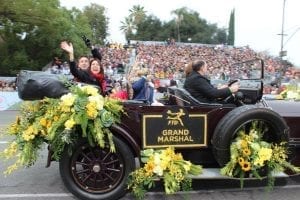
(258, 23)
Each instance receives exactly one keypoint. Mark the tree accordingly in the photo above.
(193, 28)
(98, 22)
(31, 30)
(131, 24)
(128, 27)
(231, 33)
(137, 13)
(150, 29)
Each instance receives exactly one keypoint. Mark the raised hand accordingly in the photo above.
(68, 47)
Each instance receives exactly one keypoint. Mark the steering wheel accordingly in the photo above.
(230, 98)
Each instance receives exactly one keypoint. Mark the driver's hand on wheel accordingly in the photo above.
(234, 87)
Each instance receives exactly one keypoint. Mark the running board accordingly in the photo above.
(214, 173)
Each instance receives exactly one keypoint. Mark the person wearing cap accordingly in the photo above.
(200, 87)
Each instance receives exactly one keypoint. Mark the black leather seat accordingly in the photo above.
(184, 98)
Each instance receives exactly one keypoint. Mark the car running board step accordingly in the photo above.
(214, 173)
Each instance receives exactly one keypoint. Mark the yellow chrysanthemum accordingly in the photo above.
(149, 167)
(67, 100)
(90, 90)
(265, 153)
(69, 124)
(244, 144)
(91, 110)
(43, 122)
(97, 100)
(49, 124)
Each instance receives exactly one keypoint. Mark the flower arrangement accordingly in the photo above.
(290, 92)
(83, 112)
(162, 164)
(250, 156)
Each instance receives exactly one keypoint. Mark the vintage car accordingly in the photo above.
(202, 132)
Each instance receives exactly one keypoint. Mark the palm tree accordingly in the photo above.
(128, 27)
(137, 13)
(178, 20)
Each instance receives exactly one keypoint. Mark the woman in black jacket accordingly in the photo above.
(200, 87)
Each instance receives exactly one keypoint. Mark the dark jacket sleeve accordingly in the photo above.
(96, 54)
(82, 76)
(201, 88)
(138, 85)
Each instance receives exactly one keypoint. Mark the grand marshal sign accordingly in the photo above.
(174, 127)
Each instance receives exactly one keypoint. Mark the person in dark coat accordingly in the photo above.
(93, 75)
(200, 87)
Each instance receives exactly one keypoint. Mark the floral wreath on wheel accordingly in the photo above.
(251, 156)
(83, 112)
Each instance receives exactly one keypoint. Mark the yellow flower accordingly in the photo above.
(49, 123)
(265, 153)
(244, 144)
(69, 124)
(43, 122)
(91, 110)
(241, 161)
(11, 150)
(246, 166)
(97, 101)
(55, 118)
(67, 100)
(90, 90)
(149, 167)
(246, 152)
(178, 156)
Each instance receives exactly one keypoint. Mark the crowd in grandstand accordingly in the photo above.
(169, 61)
(6, 86)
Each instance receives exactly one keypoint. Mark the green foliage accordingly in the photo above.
(57, 122)
(97, 21)
(33, 29)
(187, 26)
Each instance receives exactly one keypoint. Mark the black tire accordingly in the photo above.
(92, 173)
(242, 117)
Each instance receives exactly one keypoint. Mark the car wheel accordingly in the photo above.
(242, 118)
(96, 173)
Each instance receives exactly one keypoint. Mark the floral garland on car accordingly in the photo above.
(290, 92)
(82, 113)
(251, 156)
(162, 164)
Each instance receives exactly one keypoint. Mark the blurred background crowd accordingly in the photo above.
(167, 61)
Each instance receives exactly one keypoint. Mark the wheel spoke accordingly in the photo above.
(113, 169)
(82, 163)
(111, 162)
(95, 180)
(86, 156)
(108, 176)
(83, 171)
(87, 177)
(107, 154)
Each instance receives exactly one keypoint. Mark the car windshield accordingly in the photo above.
(251, 69)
